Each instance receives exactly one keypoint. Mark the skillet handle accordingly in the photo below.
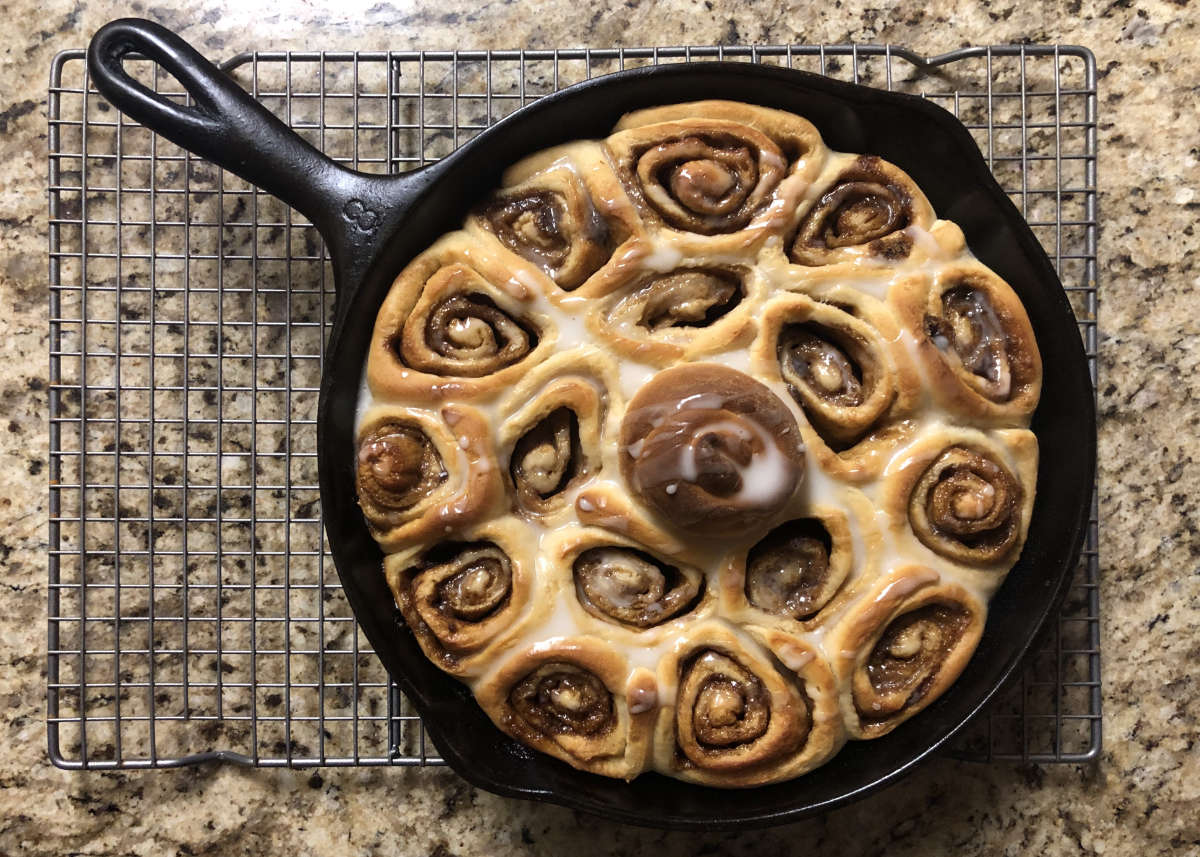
(225, 125)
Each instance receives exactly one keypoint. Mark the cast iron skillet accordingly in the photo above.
(373, 225)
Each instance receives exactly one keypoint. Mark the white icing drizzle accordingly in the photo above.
(664, 258)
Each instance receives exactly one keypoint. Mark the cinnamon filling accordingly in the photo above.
(547, 457)
(788, 573)
(398, 467)
(970, 329)
(631, 587)
(966, 506)
(906, 660)
(560, 698)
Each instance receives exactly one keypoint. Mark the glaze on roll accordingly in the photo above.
(974, 340)
(620, 584)
(899, 648)
(790, 572)
(864, 212)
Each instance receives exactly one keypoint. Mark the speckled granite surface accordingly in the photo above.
(1143, 795)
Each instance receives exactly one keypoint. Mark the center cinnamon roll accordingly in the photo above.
(710, 449)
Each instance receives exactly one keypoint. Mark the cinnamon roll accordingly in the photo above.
(456, 324)
(460, 597)
(965, 495)
(560, 210)
(974, 341)
(710, 450)
(801, 574)
(740, 718)
(634, 594)
(841, 364)
(551, 430)
(715, 168)
(421, 474)
(682, 314)
(901, 647)
(576, 699)
(791, 572)
(867, 210)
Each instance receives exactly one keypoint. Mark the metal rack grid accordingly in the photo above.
(194, 612)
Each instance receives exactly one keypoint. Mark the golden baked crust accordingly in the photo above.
(901, 646)
(421, 473)
(743, 716)
(577, 699)
(974, 342)
(699, 449)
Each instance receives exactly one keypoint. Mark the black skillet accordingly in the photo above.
(373, 225)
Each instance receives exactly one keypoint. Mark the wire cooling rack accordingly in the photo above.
(194, 612)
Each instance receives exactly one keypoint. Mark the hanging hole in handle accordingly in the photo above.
(200, 123)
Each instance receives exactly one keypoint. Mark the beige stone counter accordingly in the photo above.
(1142, 797)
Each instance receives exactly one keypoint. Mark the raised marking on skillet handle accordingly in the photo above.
(361, 216)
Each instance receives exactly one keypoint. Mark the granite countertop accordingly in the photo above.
(1142, 795)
